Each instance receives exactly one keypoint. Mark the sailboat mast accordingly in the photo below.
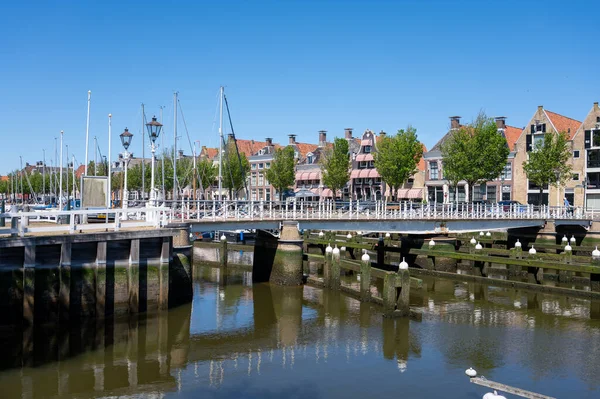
(162, 158)
(87, 133)
(143, 155)
(175, 146)
(221, 146)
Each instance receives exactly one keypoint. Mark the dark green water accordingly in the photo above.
(237, 340)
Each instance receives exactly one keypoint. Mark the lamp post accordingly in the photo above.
(154, 128)
(126, 141)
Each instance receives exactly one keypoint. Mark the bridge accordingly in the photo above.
(380, 216)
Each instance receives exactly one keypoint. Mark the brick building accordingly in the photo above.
(541, 123)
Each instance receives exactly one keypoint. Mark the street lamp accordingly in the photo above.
(126, 141)
(154, 128)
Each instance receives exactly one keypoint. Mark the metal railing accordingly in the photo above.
(202, 210)
(55, 221)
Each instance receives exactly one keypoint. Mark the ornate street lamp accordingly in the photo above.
(154, 128)
(126, 142)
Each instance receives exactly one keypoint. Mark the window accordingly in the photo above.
(461, 194)
(260, 194)
(367, 149)
(253, 194)
(253, 179)
(576, 154)
(371, 164)
(261, 180)
(538, 140)
(491, 193)
(309, 159)
(575, 177)
(433, 170)
(595, 138)
(593, 159)
(253, 166)
(479, 192)
(260, 165)
(268, 165)
(359, 180)
(506, 172)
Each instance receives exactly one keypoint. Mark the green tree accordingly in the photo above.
(335, 167)
(397, 157)
(548, 162)
(281, 173)
(235, 169)
(101, 169)
(475, 153)
(207, 174)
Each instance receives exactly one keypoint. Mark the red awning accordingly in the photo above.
(314, 175)
(415, 193)
(373, 173)
(403, 193)
(364, 157)
(327, 193)
(366, 142)
(355, 173)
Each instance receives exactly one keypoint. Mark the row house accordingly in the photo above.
(545, 122)
(365, 181)
(590, 131)
(308, 171)
(438, 189)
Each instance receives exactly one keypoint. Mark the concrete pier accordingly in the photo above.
(287, 264)
(50, 279)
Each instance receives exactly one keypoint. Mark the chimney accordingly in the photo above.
(322, 138)
(180, 154)
(540, 107)
(501, 122)
(292, 138)
(348, 133)
(454, 122)
(382, 133)
(596, 105)
(269, 141)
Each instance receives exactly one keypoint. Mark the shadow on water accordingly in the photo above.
(239, 339)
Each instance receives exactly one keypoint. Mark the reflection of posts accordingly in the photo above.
(287, 302)
(396, 341)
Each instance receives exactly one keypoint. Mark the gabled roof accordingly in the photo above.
(305, 148)
(512, 134)
(79, 171)
(421, 164)
(563, 123)
(252, 147)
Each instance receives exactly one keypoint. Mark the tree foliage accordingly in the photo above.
(475, 153)
(235, 169)
(281, 174)
(206, 173)
(548, 162)
(397, 157)
(334, 165)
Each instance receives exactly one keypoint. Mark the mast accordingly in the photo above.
(95, 156)
(55, 189)
(175, 146)
(21, 178)
(221, 145)
(108, 191)
(67, 176)
(143, 155)
(73, 164)
(60, 172)
(87, 132)
(44, 177)
(162, 158)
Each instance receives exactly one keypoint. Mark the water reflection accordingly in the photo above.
(239, 339)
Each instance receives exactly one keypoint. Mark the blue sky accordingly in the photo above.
(288, 67)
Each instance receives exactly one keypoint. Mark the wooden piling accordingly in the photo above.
(335, 269)
(365, 278)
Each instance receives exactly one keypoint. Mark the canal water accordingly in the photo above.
(239, 340)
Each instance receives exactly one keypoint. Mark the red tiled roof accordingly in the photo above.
(211, 153)
(79, 171)
(251, 147)
(3, 178)
(563, 123)
(512, 134)
(305, 148)
(421, 164)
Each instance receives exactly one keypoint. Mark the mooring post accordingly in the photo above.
(100, 278)
(64, 290)
(223, 252)
(389, 293)
(403, 296)
(29, 284)
(365, 277)
(335, 268)
(327, 266)
(133, 276)
(380, 253)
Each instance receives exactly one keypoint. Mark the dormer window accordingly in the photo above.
(310, 157)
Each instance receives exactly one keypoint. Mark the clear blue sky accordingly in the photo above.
(288, 66)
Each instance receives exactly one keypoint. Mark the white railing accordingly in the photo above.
(21, 223)
(227, 210)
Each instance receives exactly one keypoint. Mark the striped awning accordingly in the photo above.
(412, 193)
(366, 142)
(308, 175)
(327, 193)
(364, 157)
